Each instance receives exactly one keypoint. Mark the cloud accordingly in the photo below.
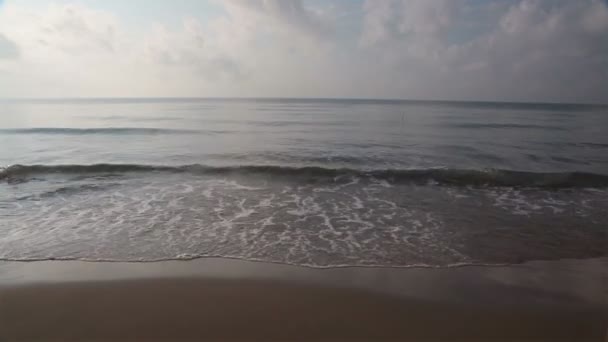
(8, 49)
(551, 50)
(518, 50)
(282, 14)
(413, 19)
(73, 50)
(189, 48)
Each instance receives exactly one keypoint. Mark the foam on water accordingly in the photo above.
(347, 221)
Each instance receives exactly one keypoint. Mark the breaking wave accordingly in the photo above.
(441, 176)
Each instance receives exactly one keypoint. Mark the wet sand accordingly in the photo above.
(218, 299)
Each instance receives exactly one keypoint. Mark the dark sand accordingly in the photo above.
(217, 299)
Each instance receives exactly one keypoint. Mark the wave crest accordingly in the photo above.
(455, 177)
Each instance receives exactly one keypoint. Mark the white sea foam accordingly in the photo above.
(364, 223)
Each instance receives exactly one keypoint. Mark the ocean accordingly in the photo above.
(312, 182)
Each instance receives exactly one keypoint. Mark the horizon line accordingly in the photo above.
(178, 98)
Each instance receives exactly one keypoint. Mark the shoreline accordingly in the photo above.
(218, 298)
(306, 266)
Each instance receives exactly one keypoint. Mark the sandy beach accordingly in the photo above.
(222, 299)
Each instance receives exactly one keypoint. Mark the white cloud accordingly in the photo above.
(188, 48)
(413, 19)
(282, 14)
(8, 49)
(531, 50)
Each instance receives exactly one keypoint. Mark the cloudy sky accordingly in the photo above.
(513, 50)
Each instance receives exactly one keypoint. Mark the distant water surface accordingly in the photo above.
(312, 182)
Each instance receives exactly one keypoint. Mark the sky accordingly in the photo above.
(489, 50)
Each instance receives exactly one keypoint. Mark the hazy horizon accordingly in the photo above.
(294, 99)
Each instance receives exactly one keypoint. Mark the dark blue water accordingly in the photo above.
(310, 182)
